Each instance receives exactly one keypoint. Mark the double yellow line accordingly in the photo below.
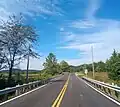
(58, 100)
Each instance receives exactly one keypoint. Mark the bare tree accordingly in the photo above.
(16, 38)
(2, 58)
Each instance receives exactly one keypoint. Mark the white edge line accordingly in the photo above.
(25, 93)
(116, 102)
(22, 95)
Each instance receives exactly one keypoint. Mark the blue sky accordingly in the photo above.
(68, 28)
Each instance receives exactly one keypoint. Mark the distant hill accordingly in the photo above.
(76, 68)
(31, 70)
(19, 70)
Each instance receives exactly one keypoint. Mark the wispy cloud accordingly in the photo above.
(94, 24)
(104, 40)
(93, 6)
(28, 7)
(82, 24)
(89, 20)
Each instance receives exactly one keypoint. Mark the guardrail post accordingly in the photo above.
(5, 97)
(104, 89)
(37, 84)
(116, 94)
(33, 86)
(109, 91)
(100, 87)
(30, 87)
(17, 91)
(23, 90)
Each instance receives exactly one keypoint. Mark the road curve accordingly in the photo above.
(77, 94)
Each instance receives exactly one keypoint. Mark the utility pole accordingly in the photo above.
(93, 62)
(28, 57)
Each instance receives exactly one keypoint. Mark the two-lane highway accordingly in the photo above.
(66, 91)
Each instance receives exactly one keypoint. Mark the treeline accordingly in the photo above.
(98, 66)
(112, 66)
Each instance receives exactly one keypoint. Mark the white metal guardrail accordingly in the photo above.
(11, 92)
(110, 90)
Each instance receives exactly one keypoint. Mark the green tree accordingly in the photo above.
(113, 66)
(64, 66)
(100, 67)
(51, 64)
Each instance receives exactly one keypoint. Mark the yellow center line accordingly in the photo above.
(55, 102)
(58, 101)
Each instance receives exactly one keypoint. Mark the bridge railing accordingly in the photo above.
(110, 90)
(11, 92)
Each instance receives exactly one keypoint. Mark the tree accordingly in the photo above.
(2, 56)
(64, 66)
(59, 70)
(51, 64)
(113, 66)
(2, 60)
(16, 37)
(100, 67)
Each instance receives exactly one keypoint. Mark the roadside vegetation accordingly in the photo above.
(51, 69)
(108, 71)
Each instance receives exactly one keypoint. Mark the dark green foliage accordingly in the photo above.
(76, 68)
(101, 67)
(19, 79)
(12, 82)
(64, 66)
(113, 66)
(2, 81)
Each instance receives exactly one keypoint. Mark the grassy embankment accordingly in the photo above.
(100, 76)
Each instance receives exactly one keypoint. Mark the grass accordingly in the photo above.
(32, 75)
(80, 74)
(103, 76)
(100, 76)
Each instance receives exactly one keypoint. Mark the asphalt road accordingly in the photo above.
(77, 94)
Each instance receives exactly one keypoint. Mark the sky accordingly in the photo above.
(68, 28)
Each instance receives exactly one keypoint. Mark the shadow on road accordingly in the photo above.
(57, 80)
